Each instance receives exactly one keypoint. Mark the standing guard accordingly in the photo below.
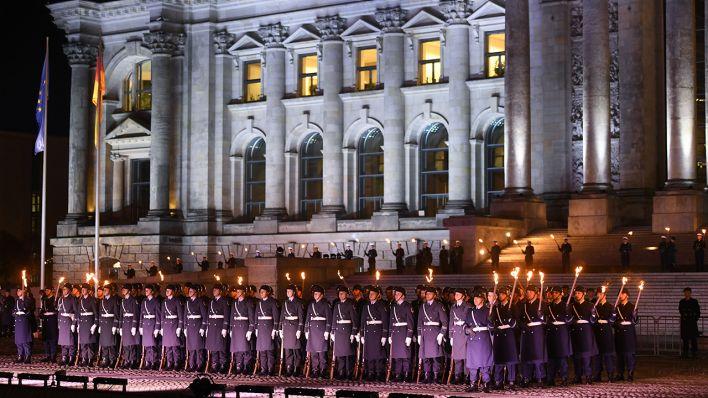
(150, 323)
(604, 337)
(558, 338)
(23, 312)
(318, 323)
(345, 326)
(172, 324)
(401, 326)
(267, 316)
(504, 342)
(584, 345)
(432, 328)
(533, 337)
(458, 340)
(67, 307)
(374, 332)
(48, 317)
(217, 330)
(242, 327)
(479, 359)
(626, 336)
(88, 324)
(129, 323)
(292, 322)
(565, 250)
(195, 314)
(109, 310)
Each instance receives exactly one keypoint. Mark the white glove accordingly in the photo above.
(179, 331)
(298, 334)
(326, 336)
(383, 341)
(351, 338)
(132, 331)
(451, 343)
(362, 340)
(231, 334)
(141, 331)
(440, 338)
(160, 333)
(256, 333)
(272, 334)
(156, 332)
(307, 335)
(420, 339)
(120, 332)
(357, 338)
(201, 332)
(73, 328)
(114, 330)
(408, 341)
(185, 332)
(93, 329)
(223, 333)
(390, 340)
(280, 333)
(248, 335)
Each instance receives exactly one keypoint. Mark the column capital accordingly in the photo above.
(161, 42)
(390, 19)
(117, 157)
(330, 27)
(273, 35)
(455, 11)
(223, 40)
(80, 53)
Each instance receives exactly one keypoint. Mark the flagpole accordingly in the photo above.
(43, 254)
(99, 105)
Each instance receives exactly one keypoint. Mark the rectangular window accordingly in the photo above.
(308, 75)
(252, 81)
(139, 188)
(366, 69)
(145, 82)
(429, 62)
(495, 54)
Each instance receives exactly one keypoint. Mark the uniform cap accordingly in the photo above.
(291, 287)
(266, 288)
(580, 289)
(341, 288)
(400, 289)
(532, 288)
(317, 288)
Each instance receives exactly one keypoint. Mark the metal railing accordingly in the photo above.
(662, 335)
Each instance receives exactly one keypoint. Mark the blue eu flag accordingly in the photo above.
(39, 144)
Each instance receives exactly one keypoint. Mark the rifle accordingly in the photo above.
(420, 360)
(363, 356)
(186, 359)
(452, 348)
(390, 361)
(307, 365)
(258, 362)
(142, 358)
(331, 363)
(120, 350)
(231, 364)
(282, 353)
(356, 359)
(208, 359)
(162, 357)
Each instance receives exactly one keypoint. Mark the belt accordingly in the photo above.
(504, 327)
(128, 315)
(318, 318)
(400, 324)
(459, 323)
(344, 321)
(431, 323)
(603, 321)
(581, 321)
(240, 318)
(291, 318)
(194, 317)
(216, 317)
(532, 324)
(625, 323)
(20, 313)
(480, 329)
(373, 322)
(149, 316)
(558, 323)
(49, 313)
(265, 318)
(107, 315)
(171, 316)
(86, 313)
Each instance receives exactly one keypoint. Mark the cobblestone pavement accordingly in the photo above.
(655, 377)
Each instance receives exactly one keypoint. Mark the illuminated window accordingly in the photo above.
(137, 88)
(495, 159)
(308, 75)
(433, 168)
(139, 188)
(366, 69)
(255, 177)
(429, 62)
(311, 176)
(495, 54)
(371, 167)
(252, 81)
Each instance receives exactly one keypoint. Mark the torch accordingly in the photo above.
(516, 242)
(429, 277)
(302, 276)
(239, 280)
(24, 279)
(604, 289)
(378, 276)
(162, 277)
(515, 274)
(223, 256)
(639, 295)
(496, 283)
(217, 277)
(195, 258)
(624, 282)
(554, 239)
(572, 289)
(529, 276)
(541, 275)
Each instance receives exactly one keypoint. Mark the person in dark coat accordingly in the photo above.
(672, 249)
(582, 336)
(130, 272)
(292, 324)
(195, 325)
(67, 306)
(444, 260)
(426, 257)
(231, 262)
(626, 336)
(50, 327)
(129, 319)
(374, 332)
(625, 250)
(345, 326)
(217, 329)
(699, 247)
(664, 255)
(150, 324)
(318, 323)
(400, 255)
(401, 331)
(533, 337)
(371, 255)
(604, 336)
(565, 250)
(479, 359)
(528, 253)
(267, 317)
(280, 252)
(153, 270)
(557, 338)
(291, 253)
(456, 255)
(316, 253)
(504, 342)
(690, 313)
(108, 322)
(458, 339)
(23, 313)
(171, 326)
(179, 266)
(204, 265)
(348, 252)
(494, 253)
(432, 328)
(87, 314)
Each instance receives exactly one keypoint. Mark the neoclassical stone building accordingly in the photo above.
(238, 125)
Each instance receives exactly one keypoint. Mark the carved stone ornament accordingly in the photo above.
(80, 53)
(455, 11)
(273, 35)
(330, 27)
(223, 40)
(390, 19)
(161, 42)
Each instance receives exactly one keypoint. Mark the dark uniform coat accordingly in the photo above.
(67, 310)
(129, 319)
(48, 315)
(504, 342)
(195, 319)
(109, 313)
(87, 314)
(318, 322)
(267, 317)
(533, 332)
(23, 312)
(401, 326)
(604, 335)
(558, 331)
(345, 323)
(690, 313)
(292, 320)
(243, 320)
(172, 314)
(374, 327)
(625, 334)
(432, 320)
(458, 316)
(581, 333)
(218, 320)
(479, 338)
(150, 320)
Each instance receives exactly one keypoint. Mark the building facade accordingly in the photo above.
(237, 125)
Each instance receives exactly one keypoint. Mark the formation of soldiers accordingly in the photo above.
(477, 337)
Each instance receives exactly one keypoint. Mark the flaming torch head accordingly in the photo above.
(388, 240)
(239, 280)
(541, 275)
(219, 252)
(481, 252)
(667, 229)
(577, 270)
(641, 285)
(339, 274)
(515, 273)
(192, 253)
(480, 240)
(553, 236)
(61, 280)
(496, 278)
(630, 233)
(508, 234)
(529, 275)
(604, 288)
(302, 275)
(162, 277)
(624, 280)
(516, 242)
(378, 275)
(287, 276)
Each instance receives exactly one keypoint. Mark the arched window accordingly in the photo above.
(371, 166)
(137, 88)
(433, 168)
(255, 177)
(495, 159)
(311, 175)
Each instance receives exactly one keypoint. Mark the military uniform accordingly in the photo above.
(374, 331)
(50, 327)
(558, 340)
(23, 313)
(217, 328)
(533, 340)
(129, 324)
(479, 355)
(504, 344)
(150, 323)
(172, 324)
(458, 339)
(626, 339)
(690, 313)
(432, 327)
(242, 328)
(605, 339)
(292, 323)
(109, 310)
(87, 325)
(581, 333)
(267, 316)
(625, 250)
(67, 307)
(318, 324)
(345, 325)
(565, 250)
(400, 255)
(401, 332)
(195, 314)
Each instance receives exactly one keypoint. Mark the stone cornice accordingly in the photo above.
(273, 35)
(390, 19)
(161, 42)
(80, 53)
(330, 28)
(223, 41)
(455, 11)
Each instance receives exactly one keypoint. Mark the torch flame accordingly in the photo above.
(630, 233)
(339, 274)
(496, 278)
(302, 246)
(703, 231)
(88, 277)
(577, 270)
(169, 258)
(61, 280)
(541, 274)
(667, 229)
(388, 240)
(378, 275)
(219, 252)
(239, 280)
(413, 240)
(480, 240)
(604, 288)
(192, 253)
(287, 276)
(217, 277)
(641, 285)
(429, 277)
(515, 273)
(105, 282)
(553, 236)
(624, 280)
(481, 252)
(529, 275)
(445, 241)
(302, 275)
(162, 277)
(508, 234)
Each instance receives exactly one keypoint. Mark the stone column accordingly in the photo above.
(331, 83)
(163, 45)
(705, 38)
(222, 128)
(118, 182)
(392, 60)
(80, 56)
(457, 68)
(274, 90)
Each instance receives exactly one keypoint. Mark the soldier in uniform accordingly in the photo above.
(345, 326)
(292, 322)
(374, 333)
(458, 339)
(67, 309)
(699, 246)
(558, 338)
(129, 323)
(479, 358)
(371, 254)
(432, 328)
(87, 314)
(348, 252)
(217, 330)
(504, 342)
(690, 313)
(604, 338)
(401, 331)
(625, 250)
(318, 323)
(582, 336)
(267, 317)
(456, 254)
(150, 323)
(23, 313)
(242, 327)
(195, 321)
(528, 253)
(565, 250)
(172, 324)
(626, 336)
(50, 332)
(109, 310)
(400, 255)
(533, 337)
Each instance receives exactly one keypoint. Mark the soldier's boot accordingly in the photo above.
(511, 386)
(46, 359)
(619, 377)
(460, 379)
(588, 380)
(19, 359)
(63, 361)
(630, 376)
(473, 387)
(27, 359)
(169, 366)
(426, 378)
(486, 387)
(436, 378)
(610, 377)
(525, 382)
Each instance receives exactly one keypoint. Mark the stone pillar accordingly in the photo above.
(118, 182)
(519, 200)
(457, 65)
(80, 56)
(680, 206)
(332, 109)
(392, 75)
(163, 45)
(274, 90)
(222, 128)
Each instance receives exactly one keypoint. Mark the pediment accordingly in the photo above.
(488, 10)
(304, 33)
(361, 27)
(424, 18)
(249, 41)
(131, 127)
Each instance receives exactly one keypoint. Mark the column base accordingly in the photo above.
(521, 205)
(636, 205)
(69, 226)
(457, 207)
(273, 213)
(159, 225)
(158, 214)
(332, 210)
(592, 214)
(265, 225)
(385, 220)
(680, 184)
(398, 207)
(323, 222)
(684, 211)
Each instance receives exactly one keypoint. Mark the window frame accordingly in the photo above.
(488, 55)
(303, 202)
(135, 188)
(422, 62)
(247, 82)
(253, 208)
(132, 88)
(359, 69)
(301, 76)
(440, 198)
(489, 169)
(362, 176)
